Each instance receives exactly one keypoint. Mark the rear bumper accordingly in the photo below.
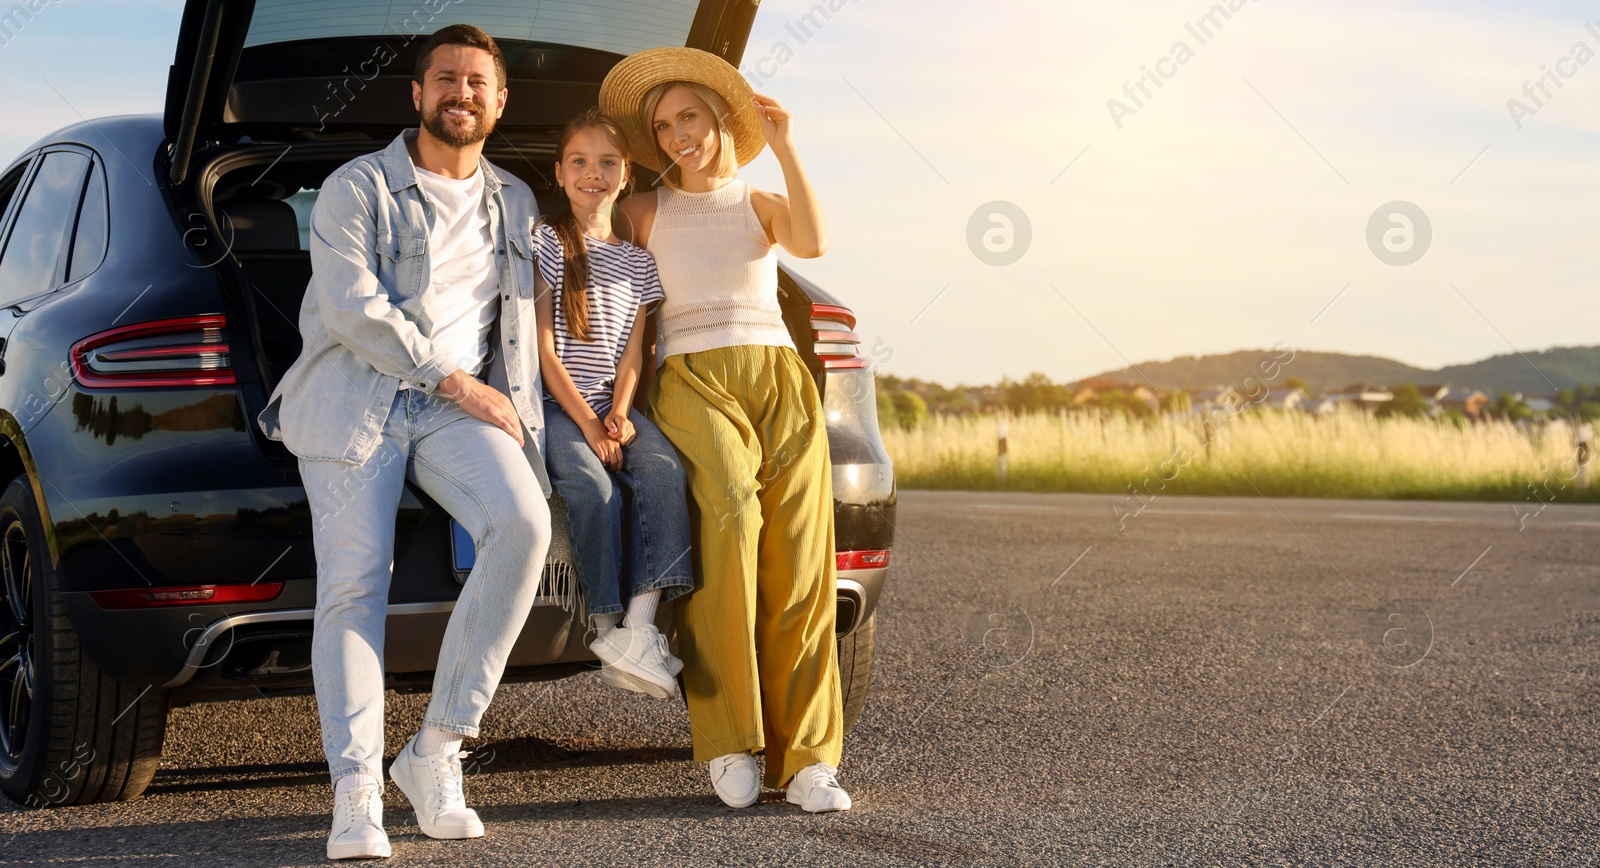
(209, 647)
(219, 649)
(274, 648)
(858, 598)
(213, 649)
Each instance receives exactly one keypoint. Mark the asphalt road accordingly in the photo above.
(1223, 681)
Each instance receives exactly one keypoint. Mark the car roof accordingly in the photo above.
(135, 136)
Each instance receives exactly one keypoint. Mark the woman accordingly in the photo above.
(742, 410)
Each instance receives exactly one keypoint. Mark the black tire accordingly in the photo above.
(82, 737)
(855, 669)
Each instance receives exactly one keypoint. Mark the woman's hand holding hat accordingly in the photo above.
(775, 121)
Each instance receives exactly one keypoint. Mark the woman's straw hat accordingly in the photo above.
(622, 95)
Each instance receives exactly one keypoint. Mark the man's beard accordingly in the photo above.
(434, 122)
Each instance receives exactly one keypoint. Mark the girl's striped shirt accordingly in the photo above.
(621, 277)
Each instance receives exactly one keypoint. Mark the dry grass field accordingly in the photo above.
(1287, 454)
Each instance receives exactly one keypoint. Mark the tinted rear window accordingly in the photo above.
(616, 26)
(89, 242)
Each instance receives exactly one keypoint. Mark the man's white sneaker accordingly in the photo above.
(358, 825)
(433, 786)
(736, 779)
(640, 655)
(816, 789)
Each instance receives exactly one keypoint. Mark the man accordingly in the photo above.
(421, 283)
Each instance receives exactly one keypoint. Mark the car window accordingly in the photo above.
(89, 241)
(8, 186)
(35, 251)
(302, 202)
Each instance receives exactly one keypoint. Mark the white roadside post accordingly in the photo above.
(1003, 456)
(1585, 452)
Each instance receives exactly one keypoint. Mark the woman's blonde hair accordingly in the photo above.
(727, 157)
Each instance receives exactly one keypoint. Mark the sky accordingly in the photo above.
(1241, 204)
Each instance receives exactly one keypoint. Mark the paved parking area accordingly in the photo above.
(1224, 681)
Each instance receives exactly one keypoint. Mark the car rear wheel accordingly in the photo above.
(855, 669)
(68, 734)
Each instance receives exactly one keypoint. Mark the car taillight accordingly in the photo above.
(187, 351)
(863, 560)
(832, 328)
(144, 598)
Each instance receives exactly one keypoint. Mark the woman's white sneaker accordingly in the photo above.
(736, 779)
(816, 789)
(358, 825)
(433, 785)
(639, 655)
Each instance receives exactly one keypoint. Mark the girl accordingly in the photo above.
(743, 411)
(621, 479)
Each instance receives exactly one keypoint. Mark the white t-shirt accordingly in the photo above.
(464, 277)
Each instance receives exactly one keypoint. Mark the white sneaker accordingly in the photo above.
(358, 824)
(639, 655)
(736, 779)
(622, 681)
(433, 786)
(816, 789)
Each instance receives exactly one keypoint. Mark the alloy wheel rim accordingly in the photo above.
(18, 677)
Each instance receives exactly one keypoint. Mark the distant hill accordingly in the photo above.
(1564, 367)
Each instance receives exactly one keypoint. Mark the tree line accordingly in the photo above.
(909, 402)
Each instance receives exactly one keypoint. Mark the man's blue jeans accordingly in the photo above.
(630, 529)
(483, 479)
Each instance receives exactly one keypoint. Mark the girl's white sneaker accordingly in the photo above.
(358, 825)
(815, 789)
(640, 657)
(736, 779)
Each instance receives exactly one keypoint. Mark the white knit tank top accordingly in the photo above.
(718, 270)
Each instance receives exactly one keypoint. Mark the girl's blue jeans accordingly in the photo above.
(630, 528)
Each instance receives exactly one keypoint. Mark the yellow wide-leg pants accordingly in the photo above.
(756, 636)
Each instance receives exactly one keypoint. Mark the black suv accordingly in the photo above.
(155, 547)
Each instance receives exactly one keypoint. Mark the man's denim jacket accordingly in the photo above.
(364, 321)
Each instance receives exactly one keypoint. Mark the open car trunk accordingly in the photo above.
(297, 71)
(259, 201)
(266, 97)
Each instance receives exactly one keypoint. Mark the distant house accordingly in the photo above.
(986, 398)
(1467, 401)
(1363, 395)
(1145, 394)
(1433, 393)
(1205, 400)
(1540, 405)
(1321, 405)
(1285, 399)
(1085, 391)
